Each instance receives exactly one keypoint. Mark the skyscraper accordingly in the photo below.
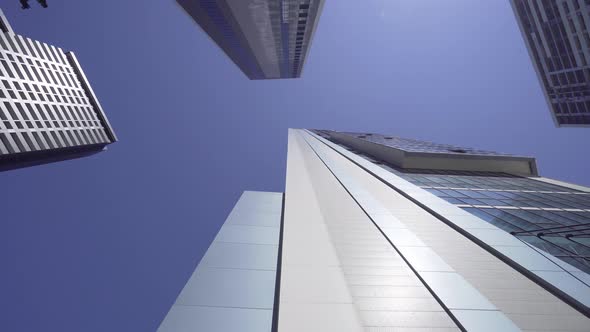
(381, 233)
(267, 39)
(48, 111)
(556, 35)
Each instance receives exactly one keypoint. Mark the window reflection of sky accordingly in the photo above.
(549, 217)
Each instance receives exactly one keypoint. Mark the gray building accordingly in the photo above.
(381, 233)
(48, 111)
(558, 40)
(266, 39)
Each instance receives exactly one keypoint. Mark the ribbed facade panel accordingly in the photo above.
(45, 108)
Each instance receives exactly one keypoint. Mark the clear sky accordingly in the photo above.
(106, 243)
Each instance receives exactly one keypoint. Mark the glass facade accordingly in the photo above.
(552, 218)
(267, 39)
(557, 37)
(549, 217)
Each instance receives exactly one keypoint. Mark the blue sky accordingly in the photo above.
(106, 243)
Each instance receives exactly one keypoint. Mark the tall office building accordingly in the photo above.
(558, 40)
(380, 233)
(48, 111)
(267, 39)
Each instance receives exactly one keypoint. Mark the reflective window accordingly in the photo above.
(549, 217)
(519, 206)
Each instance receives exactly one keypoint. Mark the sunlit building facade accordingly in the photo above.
(381, 233)
(557, 37)
(266, 39)
(48, 111)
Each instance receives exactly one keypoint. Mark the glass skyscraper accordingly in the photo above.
(266, 39)
(48, 111)
(557, 37)
(382, 233)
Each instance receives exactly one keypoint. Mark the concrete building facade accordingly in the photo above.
(557, 37)
(48, 111)
(379, 233)
(266, 39)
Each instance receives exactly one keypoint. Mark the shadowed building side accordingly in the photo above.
(266, 39)
(558, 41)
(25, 4)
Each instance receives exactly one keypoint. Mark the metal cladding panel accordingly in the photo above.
(445, 284)
(347, 276)
(240, 256)
(229, 287)
(215, 319)
(266, 39)
(48, 111)
(233, 287)
(503, 270)
(314, 294)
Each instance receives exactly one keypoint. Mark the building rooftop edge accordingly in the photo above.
(512, 164)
